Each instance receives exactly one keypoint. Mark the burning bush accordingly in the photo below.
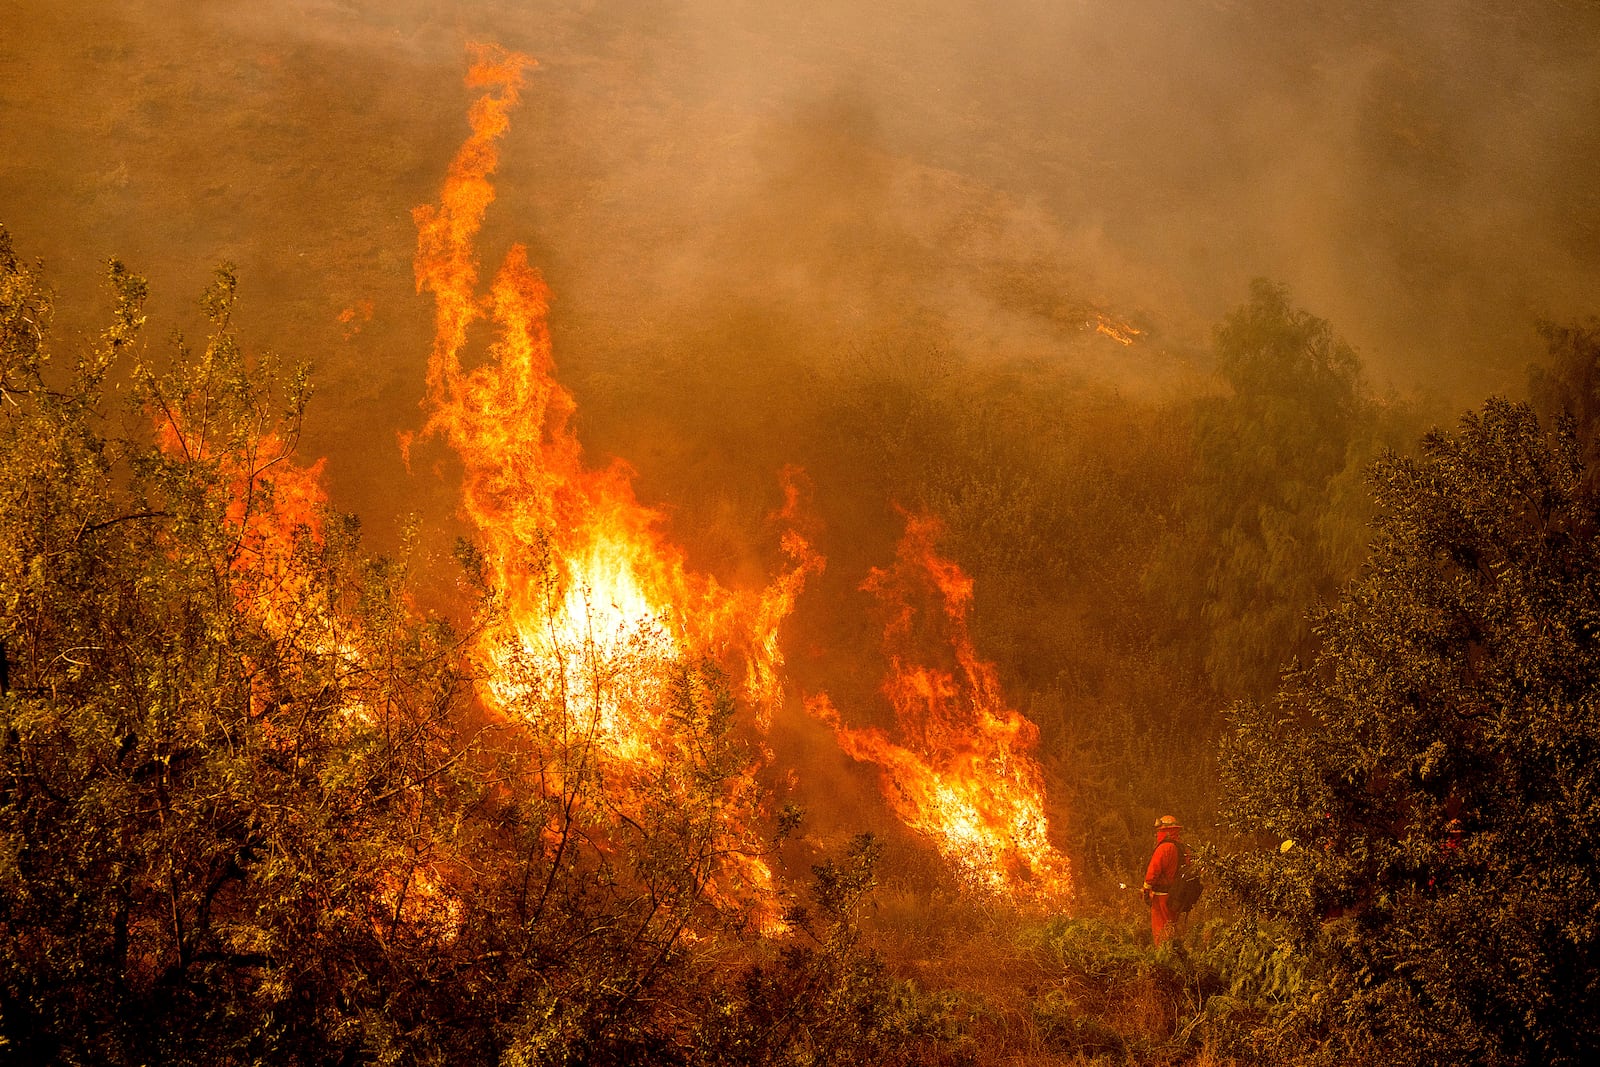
(246, 791)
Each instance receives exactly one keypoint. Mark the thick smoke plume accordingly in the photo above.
(739, 206)
(733, 192)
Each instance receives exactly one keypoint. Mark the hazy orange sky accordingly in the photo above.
(755, 186)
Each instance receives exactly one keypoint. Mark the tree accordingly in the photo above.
(1431, 780)
(1570, 384)
(219, 718)
(1272, 520)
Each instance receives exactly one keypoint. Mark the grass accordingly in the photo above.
(1091, 989)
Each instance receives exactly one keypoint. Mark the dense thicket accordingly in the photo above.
(247, 811)
(246, 793)
(1271, 518)
(1431, 780)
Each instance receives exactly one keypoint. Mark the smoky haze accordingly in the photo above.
(753, 216)
(738, 205)
(738, 193)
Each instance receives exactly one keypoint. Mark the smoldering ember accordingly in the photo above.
(728, 533)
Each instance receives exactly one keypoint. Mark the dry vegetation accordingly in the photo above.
(890, 277)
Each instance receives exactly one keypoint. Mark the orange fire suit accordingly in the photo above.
(1158, 879)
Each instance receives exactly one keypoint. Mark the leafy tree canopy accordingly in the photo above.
(1431, 781)
(1272, 519)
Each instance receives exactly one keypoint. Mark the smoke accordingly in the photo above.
(734, 200)
(737, 203)
(983, 173)
(747, 210)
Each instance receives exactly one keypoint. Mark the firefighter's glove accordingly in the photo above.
(1146, 892)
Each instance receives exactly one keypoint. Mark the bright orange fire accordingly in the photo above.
(594, 607)
(961, 773)
(1124, 333)
(272, 501)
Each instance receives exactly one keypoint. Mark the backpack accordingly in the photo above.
(1186, 886)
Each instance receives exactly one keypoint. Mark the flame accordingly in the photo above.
(267, 535)
(1119, 330)
(961, 773)
(418, 901)
(272, 503)
(595, 607)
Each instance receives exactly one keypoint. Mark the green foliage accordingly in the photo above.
(1267, 526)
(1430, 782)
(1111, 997)
(250, 813)
(212, 749)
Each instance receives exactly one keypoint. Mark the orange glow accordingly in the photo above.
(961, 772)
(418, 901)
(1124, 333)
(355, 317)
(594, 609)
(273, 502)
(271, 508)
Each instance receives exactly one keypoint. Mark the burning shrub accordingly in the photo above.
(249, 809)
(218, 719)
(962, 772)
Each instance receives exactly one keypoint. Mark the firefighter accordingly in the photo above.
(1160, 876)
